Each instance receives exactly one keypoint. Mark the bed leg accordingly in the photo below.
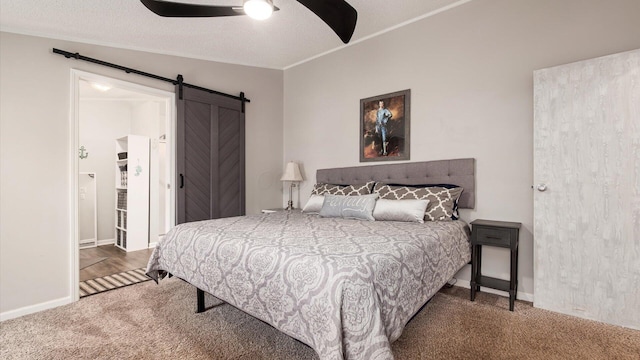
(200, 296)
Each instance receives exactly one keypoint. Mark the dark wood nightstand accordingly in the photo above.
(494, 233)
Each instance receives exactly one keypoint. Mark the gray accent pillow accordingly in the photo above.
(314, 204)
(400, 210)
(347, 190)
(442, 200)
(349, 207)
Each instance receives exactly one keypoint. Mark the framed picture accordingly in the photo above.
(384, 127)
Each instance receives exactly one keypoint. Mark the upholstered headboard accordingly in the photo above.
(459, 172)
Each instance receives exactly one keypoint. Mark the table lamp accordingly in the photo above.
(292, 174)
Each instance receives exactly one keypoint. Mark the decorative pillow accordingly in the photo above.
(400, 210)
(314, 204)
(349, 207)
(346, 190)
(442, 201)
(455, 215)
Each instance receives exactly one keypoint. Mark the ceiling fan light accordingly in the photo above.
(258, 9)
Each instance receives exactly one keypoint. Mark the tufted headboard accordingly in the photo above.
(459, 172)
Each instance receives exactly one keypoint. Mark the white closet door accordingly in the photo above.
(587, 221)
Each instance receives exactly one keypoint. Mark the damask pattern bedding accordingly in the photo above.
(344, 287)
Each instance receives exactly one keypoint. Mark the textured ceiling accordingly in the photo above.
(290, 36)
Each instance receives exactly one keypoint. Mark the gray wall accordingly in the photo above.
(35, 253)
(470, 74)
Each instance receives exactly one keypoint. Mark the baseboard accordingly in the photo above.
(520, 295)
(106, 242)
(153, 244)
(12, 314)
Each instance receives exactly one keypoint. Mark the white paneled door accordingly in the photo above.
(587, 189)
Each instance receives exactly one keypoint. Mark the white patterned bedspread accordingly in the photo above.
(344, 287)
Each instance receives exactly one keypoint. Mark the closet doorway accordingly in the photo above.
(122, 133)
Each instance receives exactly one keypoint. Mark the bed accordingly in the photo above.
(346, 288)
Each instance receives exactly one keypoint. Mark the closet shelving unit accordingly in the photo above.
(132, 192)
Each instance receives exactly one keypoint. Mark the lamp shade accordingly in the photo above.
(291, 172)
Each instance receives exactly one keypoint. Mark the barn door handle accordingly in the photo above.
(181, 181)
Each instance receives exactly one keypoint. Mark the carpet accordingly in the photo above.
(111, 282)
(85, 263)
(149, 321)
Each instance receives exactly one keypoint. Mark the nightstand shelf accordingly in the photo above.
(494, 233)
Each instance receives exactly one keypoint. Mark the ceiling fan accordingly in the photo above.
(338, 14)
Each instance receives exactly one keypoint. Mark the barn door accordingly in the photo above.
(209, 156)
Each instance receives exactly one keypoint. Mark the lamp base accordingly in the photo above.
(290, 203)
(290, 206)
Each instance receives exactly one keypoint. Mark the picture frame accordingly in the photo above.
(391, 123)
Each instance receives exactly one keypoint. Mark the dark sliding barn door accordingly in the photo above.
(210, 156)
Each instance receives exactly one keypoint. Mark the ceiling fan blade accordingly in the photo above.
(338, 14)
(172, 9)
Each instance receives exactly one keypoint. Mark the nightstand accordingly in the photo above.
(494, 233)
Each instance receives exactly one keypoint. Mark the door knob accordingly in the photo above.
(542, 187)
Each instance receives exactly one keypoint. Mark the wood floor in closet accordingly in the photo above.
(117, 261)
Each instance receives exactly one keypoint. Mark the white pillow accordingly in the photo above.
(400, 210)
(349, 207)
(314, 204)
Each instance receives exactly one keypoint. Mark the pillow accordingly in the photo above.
(349, 207)
(455, 215)
(442, 200)
(314, 204)
(347, 190)
(400, 210)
